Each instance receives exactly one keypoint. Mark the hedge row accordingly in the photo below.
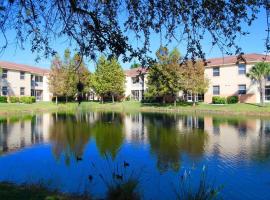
(224, 100)
(13, 99)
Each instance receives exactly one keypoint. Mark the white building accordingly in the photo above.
(24, 80)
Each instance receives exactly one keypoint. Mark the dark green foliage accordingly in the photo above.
(232, 99)
(14, 99)
(3, 99)
(27, 99)
(218, 100)
(10, 191)
(99, 26)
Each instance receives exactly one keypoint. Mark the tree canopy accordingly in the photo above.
(109, 26)
(164, 77)
(109, 78)
(65, 75)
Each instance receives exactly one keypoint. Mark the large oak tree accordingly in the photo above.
(109, 26)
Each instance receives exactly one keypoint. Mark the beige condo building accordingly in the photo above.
(23, 80)
(227, 77)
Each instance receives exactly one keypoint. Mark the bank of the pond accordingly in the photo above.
(10, 191)
(131, 106)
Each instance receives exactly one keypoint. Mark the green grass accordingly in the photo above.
(132, 106)
(19, 192)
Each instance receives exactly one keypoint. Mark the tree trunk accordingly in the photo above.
(261, 93)
(174, 100)
(193, 100)
(102, 100)
(66, 99)
(112, 98)
(163, 100)
(56, 100)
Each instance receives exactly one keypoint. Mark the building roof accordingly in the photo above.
(135, 71)
(227, 60)
(24, 68)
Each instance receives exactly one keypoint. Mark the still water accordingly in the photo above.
(62, 150)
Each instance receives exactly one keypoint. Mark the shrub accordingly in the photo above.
(14, 99)
(33, 99)
(232, 99)
(3, 99)
(218, 100)
(27, 99)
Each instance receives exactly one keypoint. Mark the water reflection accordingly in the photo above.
(69, 133)
(109, 134)
(169, 136)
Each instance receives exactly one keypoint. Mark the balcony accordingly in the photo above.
(35, 84)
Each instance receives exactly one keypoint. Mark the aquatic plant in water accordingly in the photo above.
(203, 190)
(121, 182)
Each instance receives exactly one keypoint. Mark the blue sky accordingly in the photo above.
(253, 43)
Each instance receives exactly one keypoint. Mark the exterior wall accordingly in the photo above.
(129, 86)
(47, 96)
(14, 83)
(228, 81)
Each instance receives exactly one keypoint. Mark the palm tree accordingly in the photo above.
(259, 73)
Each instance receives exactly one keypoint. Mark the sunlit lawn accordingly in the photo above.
(9, 108)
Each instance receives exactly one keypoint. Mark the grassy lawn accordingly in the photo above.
(14, 192)
(132, 106)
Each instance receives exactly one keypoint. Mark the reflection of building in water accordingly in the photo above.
(232, 137)
(135, 128)
(19, 133)
(190, 122)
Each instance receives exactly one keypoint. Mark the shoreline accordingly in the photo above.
(250, 110)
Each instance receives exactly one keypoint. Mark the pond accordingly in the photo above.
(80, 152)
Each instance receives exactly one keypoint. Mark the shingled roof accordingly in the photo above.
(135, 71)
(24, 68)
(227, 60)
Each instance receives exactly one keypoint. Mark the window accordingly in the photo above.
(22, 75)
(242, 69)
(38, 79)
(216, 71)
(22, 89)
(267, 93)
(242, 89)
(216, 90)
(4, 91)
(4, 73)
(135, 80)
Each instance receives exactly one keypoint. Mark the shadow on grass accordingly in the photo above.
(257, 105)
(9, 191)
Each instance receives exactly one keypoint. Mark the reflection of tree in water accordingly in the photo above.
(69, 134)
(260, 150)
(167, 141)
(108, 131)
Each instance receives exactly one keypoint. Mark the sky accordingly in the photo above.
(253, 43)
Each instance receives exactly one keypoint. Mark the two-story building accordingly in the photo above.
(227, 77)
(135, 83)
(23, 80)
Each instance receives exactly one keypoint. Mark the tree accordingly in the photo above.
(164, 77)
(56, 78)
(108, 26)
(194, 80)
(135, 65)
(109, 78)
(259, 73)
(66, 74)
